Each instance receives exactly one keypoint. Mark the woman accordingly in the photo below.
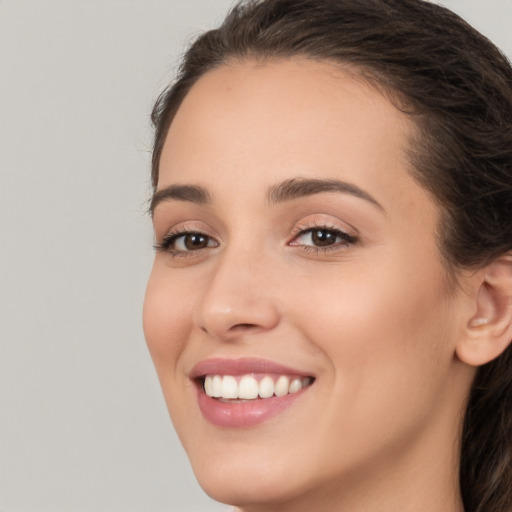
(330, 308)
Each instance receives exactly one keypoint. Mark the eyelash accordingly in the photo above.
(346, 238)
(166, 245)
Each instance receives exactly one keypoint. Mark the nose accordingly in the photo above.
(239, 298)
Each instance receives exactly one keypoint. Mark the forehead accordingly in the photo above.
(257, 123)
(276, 106)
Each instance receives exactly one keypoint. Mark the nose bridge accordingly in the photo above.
(238, 297)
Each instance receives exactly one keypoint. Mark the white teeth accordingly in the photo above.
(229, 387)
(282, 386)
(266, 387)
(295, 385)
(216, 386)
(208, 385)
(248, 388)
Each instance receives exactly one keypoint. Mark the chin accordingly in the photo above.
(243, 474)
(242, 487)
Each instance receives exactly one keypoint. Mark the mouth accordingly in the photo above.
(246, 392)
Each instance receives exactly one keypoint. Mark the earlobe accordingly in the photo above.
(489, 330)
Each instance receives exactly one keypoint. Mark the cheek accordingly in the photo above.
(166, 321)
(386, 335)
(366, 309)
(386, 340)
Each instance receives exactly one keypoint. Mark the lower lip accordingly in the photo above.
(236, 414)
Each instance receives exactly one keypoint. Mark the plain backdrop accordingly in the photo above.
(83, 426)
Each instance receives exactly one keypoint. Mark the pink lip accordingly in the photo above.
(242, 366)
(240, 414)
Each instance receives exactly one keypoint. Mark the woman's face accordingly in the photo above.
(297, 258)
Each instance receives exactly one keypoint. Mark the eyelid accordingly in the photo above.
(347, 238)
(179, 229)
(318, 222)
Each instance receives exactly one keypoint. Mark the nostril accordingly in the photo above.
(237, 328)
(243, 327)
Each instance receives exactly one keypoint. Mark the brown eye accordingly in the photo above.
(194, 241)
(323, 237)
(182, 243)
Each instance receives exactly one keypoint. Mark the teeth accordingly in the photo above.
(208, 385)
(282, 386)
(295, 385)
(217, 386)
(266, 388)
(248, 388)
(229, 387)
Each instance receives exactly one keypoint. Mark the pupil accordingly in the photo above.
(195, 241)
(323, 238)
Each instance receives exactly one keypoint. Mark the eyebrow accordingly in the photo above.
(288, 190)
(189, 193)
(302, 187)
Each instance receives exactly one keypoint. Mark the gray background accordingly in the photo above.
(83, 426)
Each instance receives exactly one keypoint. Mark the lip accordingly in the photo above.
(242, 366)
(243, 414)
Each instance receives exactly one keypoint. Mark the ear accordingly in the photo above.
(489, 330)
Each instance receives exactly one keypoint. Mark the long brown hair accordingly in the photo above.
(457, 86)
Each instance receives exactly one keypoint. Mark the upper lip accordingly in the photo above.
(242, 366)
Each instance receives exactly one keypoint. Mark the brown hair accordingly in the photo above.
(458, 87)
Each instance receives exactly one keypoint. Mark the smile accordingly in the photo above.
(250, 387)
(237, 393)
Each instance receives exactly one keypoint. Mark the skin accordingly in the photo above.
(377, 322)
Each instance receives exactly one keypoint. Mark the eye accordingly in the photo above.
(323, 238)
(186, 242)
